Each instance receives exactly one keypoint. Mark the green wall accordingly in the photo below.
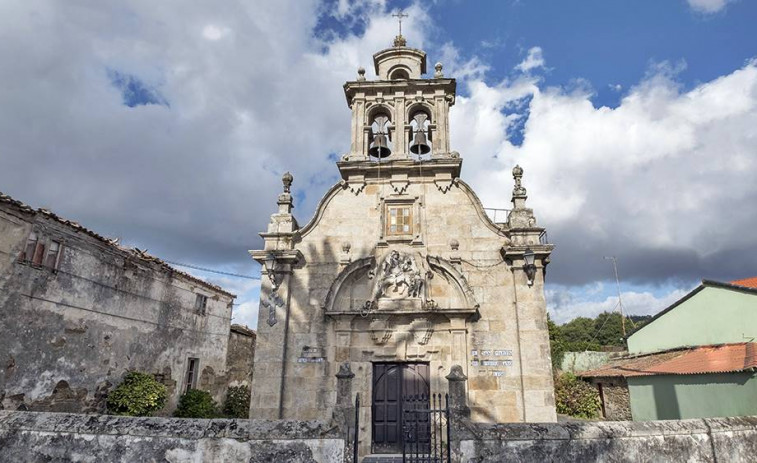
(711, 316)
(667, 397)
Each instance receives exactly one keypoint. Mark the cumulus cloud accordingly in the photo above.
(663, 181)
(533, 60)
(708, 6)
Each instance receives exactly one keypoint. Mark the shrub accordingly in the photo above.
(575, 397)
(140, 394)
(237, 404)
(196, 404)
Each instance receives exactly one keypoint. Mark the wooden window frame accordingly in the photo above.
(190, 377)
(201, 303)
(402, 220)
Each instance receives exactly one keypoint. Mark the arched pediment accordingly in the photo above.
(400, 282)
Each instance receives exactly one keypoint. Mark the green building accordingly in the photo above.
(695, 359)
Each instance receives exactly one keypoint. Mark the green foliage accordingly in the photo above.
(575, 397)
(556, 343)
(196, 404)
(579, 329)
(581, 346)
(138, 395)
(237, 403)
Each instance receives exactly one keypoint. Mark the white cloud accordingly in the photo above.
(565, 304)
(533, 60)
(658, 181)
(708, 6)
(213, 32)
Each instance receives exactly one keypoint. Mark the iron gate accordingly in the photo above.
(425, 429)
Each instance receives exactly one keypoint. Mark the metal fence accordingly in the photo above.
(425, 429)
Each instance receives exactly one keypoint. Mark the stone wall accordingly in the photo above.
(575, 362)
(59, 437)
(62, 437)
(707, 440)
(240, 356)
(71, 330)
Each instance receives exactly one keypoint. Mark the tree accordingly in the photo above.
(556, 343)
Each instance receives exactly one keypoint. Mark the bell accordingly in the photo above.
(420, 143)
(379, 148)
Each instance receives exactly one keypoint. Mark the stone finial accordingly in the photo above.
(361, 73)
(438, 74)
(456, 374)
(345, 372)
(287, 179)
(518, 190)
(399, 41)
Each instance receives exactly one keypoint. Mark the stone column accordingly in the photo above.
(344, 412)
(458, 401)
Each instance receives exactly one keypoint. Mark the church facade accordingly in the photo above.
(402, 274)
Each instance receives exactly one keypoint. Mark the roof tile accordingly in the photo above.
(721, 358)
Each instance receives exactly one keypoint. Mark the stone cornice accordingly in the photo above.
(389, 87)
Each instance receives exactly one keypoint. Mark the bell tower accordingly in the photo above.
(400, 115)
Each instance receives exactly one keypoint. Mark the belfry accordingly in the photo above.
(401, 274)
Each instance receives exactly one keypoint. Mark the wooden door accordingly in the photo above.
(392, 382)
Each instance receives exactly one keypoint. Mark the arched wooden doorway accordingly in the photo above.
(392, 382)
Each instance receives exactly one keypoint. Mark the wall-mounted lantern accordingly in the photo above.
(529, 257)
(270, 269)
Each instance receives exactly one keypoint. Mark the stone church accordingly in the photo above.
(401, 273)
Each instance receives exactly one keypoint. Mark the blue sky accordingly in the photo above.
(162, 123)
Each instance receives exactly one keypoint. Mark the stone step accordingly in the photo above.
(382, 458)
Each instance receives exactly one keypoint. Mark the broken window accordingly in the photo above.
(201, 302)
(193, 365)
(400, 220)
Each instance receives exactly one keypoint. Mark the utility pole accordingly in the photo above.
(620, 302)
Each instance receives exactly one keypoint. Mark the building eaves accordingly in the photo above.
(111, 242)
(692, 293)
(721, 358)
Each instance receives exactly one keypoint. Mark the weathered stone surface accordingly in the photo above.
(705, 440)
(73, 325)
(61, 437)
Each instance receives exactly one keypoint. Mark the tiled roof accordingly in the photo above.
(747, 282)
(722, 358)
(112, 242)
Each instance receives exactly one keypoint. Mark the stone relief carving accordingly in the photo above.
(422, 330)
(271, 303)
(399, 277)
(381, 329)
(354, 185)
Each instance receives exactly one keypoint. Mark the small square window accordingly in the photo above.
(201, 303)
(399, 220)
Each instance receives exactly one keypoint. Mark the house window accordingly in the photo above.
(193, 365)
(399, 220)
(201, 302)
(31, 246)
(51, 260)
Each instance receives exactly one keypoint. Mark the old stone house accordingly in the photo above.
(402, 274)
(78, 311)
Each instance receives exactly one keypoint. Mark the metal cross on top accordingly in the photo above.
(399, 17)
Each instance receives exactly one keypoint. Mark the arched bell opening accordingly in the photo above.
(380, 145)
(420, 133)
(399, 74)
